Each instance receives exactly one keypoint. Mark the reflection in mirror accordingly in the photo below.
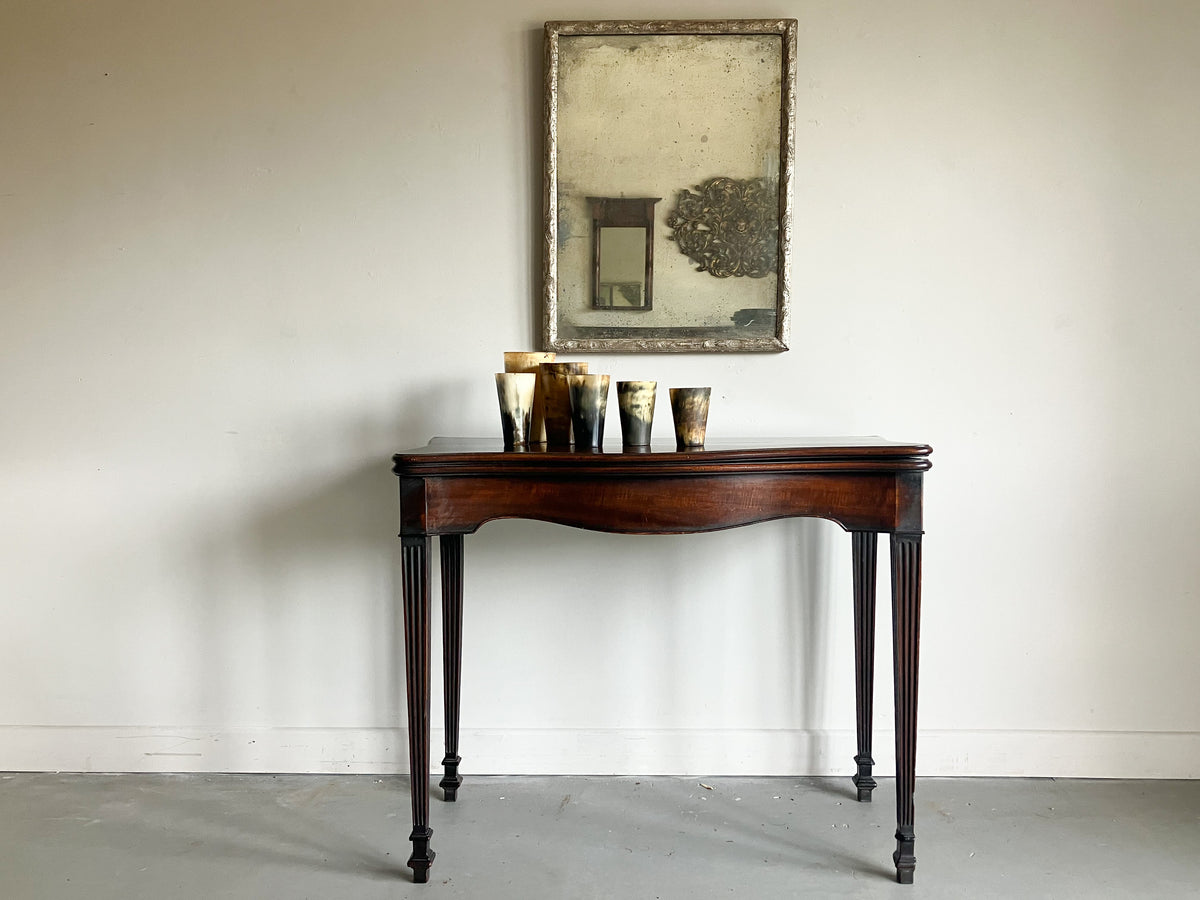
(622, 252)
(623, 280)
(700, 112)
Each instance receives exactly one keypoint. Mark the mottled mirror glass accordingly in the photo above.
(698, 114)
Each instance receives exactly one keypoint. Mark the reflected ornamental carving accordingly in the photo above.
(730, 227)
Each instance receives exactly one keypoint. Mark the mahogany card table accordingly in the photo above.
(868, 486)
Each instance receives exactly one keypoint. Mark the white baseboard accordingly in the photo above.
(1065, 754)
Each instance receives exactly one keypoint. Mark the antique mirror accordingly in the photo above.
(668, 176)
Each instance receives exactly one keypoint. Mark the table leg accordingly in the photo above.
(415, 559)
(452, 607)
(906, 629)
(865, 544)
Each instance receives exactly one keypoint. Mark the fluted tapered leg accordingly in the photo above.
(906, 631)
(866, 546)
(415, 561)
(452, 606)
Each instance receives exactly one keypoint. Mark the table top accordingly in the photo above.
(463, 456)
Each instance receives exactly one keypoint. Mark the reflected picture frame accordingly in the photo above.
(705, 299)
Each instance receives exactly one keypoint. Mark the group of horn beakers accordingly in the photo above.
(561, 406)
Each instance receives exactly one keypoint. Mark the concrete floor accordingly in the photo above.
(345, 837)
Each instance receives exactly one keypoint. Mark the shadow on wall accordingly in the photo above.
(300, 603)
(807, 625)
(800, 624)
(636, 631)
(298, 590)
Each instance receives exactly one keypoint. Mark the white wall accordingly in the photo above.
(249, 250)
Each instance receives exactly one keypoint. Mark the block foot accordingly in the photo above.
(862, 779)
(904, 858)
(452, 780)
(422, 857)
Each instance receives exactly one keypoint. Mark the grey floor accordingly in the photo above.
(230, 836)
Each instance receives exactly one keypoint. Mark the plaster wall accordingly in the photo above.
(247, 251)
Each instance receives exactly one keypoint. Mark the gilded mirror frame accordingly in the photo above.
(769, 331)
